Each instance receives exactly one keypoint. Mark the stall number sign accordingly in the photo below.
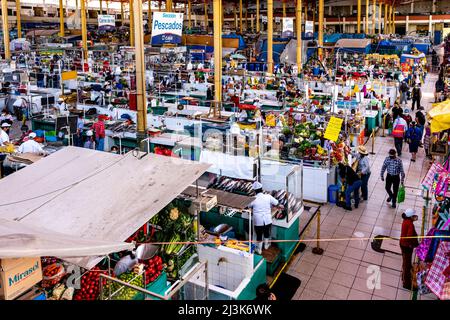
(333, 129)
(106, 21)
(288, 27)
(167, 28)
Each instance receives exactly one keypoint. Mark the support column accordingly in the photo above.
(132, 20)
(136, 8)
(298, 22)
(189, 15)
(374, 16)
(241, 28)
(385, 29)
(412, 7)
(257, 17)
(251, 22)
(18, 19)
(217, 4)
(6, 29)
(270, 36)
(101, 6)
(284, 8)
(235, 19)
(246, 15)
(330, 10)
(122, 13)
(169, 6)
(343, 24)
(380, 23)
(62, 32)
(393, 19)
(206, 16)
(321, 18)
(358, 22)
(366, 30)
(430, 24)
(407, 24)
(84, 29)
(149, 16)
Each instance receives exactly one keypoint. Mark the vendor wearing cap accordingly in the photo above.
(363, 170)
(31, 146)
(262, 216)
(408, 241)
(4, 136)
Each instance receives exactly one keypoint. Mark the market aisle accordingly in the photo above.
(341, 273)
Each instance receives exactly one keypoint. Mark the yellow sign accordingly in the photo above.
(69, 75)
(333, 129)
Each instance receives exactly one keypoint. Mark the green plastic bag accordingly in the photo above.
(401, 194)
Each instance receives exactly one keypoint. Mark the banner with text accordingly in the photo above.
(167, 28)
(106, 22)
(288, 27)
(309, 29)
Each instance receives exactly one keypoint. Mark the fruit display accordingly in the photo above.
(127, 293)
(90, 285)
(153, 268)
(52, 275)
(339, 152)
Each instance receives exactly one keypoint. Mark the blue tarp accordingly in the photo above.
(422, 47)
(277, 49)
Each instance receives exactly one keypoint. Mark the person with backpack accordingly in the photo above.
(416, 96)
(404, 90)
(398, 132)
(413, 138)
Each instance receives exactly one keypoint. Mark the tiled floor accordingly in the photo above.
(346, 268)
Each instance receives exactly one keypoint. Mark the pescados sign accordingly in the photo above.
(167, 28)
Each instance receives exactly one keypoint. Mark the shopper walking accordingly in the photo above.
(398, 132)
(416, 96)
(396, 111)
(262, 216)
(404, 89)
(427, 140)
(413, 138)
(395, 175)
(408, 241)
(99, 131)
(363, 170)
(352, 184)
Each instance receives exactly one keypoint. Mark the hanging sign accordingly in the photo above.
(288, 27)
(106, 22)
(167, 28)
(264, 19)
(309, 29)
(333, 129)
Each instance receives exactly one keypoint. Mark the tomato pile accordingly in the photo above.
(90, 285)
(52, 275)
(153, 268)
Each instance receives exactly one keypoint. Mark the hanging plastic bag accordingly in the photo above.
(401, 194)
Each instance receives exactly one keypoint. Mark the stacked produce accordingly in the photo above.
(90, 285)
(177, 231)
(52, 275)
(339, 152)
(127, 293)
(176, 261)
(233, 185)
(153, 268)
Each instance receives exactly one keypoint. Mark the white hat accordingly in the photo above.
(89, 133)
(410, 212)
(257, 185)
(5, 125)
(60, 99)
(32, 135)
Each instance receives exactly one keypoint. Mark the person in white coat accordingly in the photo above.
(262, 216)
(31, 146)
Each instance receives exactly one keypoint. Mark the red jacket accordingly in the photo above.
(408, 230)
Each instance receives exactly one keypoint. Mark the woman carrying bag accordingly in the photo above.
(413, 138)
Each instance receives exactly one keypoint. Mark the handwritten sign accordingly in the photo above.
(333, 129)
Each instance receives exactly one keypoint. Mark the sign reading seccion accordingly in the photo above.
(167, 27)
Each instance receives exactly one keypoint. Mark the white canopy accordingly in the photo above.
(94, 195)
(19, 240)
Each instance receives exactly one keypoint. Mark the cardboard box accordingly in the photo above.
(18, 275)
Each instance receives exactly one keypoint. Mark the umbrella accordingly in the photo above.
(238, 56)
(440, 116)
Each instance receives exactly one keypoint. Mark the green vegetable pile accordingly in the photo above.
(127, 293)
